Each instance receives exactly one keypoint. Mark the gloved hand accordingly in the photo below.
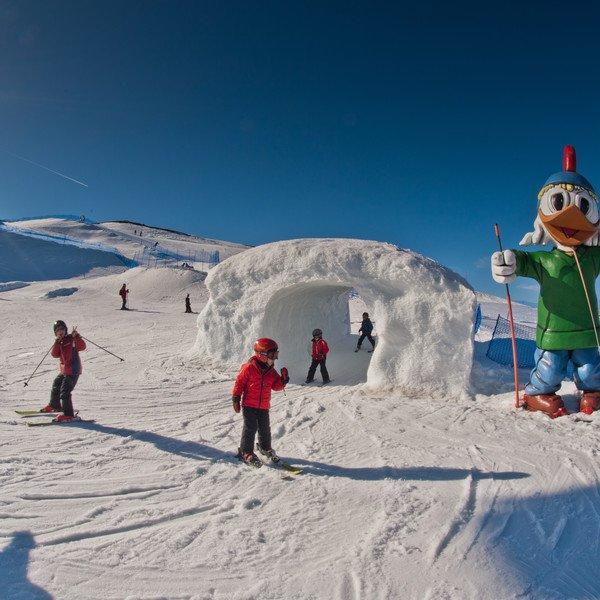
(504, 266)
(285, 378)
(236, 404)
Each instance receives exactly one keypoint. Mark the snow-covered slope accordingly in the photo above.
(400, 498)
(125, 237)
(24, 258)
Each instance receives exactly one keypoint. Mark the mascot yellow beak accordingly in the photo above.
(568, 227)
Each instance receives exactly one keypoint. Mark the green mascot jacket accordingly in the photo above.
(564, 321)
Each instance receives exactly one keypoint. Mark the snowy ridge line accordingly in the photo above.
(83, 535)
(63, 239)
(118, 492)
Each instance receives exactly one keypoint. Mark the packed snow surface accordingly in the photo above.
(400, 498)
(424, 312)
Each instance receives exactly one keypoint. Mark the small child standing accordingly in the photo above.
(366, 329)
(319, 356)
(67, 348)
(252, 395)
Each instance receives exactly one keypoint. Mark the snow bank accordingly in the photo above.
(153, 285)
(29, 259)
(12, 285)
(424, 313)
(60, 292)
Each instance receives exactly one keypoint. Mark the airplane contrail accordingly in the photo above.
(46, 168)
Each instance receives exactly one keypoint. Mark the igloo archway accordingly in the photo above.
(424, 313)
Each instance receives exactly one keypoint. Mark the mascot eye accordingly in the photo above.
(557, 201)
(588, 206)
(554, 200)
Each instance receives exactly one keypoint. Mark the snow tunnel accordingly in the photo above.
(424, 313)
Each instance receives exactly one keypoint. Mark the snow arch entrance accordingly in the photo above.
(424, 313)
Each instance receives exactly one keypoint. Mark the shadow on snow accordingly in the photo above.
(199, 451)
(14, 560)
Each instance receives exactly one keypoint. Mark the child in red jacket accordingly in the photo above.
(319, 356)
(252, 394)
(67, 348)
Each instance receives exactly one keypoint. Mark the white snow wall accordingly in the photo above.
(424, 313)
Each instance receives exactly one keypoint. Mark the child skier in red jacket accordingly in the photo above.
(67, 348)
(319, 353)
(252, 393)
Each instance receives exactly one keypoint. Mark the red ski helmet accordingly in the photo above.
(264, 346)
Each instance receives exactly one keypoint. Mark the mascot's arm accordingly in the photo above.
(528, 264)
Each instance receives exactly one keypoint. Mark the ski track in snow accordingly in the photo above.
(400, 498)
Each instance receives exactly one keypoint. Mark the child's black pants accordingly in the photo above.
(255, 419)
(62, 387)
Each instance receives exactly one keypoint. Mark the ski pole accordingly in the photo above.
(511, 323)
(101, 348)
(41, 361)
(587, 297)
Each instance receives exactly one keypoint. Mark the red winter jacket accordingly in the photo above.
(254, 384)
(68, 350)
(319, 349)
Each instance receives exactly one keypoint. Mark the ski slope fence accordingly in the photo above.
(478, 318)
(160, 258)
(500, 346)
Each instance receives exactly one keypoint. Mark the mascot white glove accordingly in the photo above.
(504, 266)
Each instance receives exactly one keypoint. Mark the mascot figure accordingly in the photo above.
(567, 322)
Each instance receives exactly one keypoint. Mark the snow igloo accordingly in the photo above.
(423, 313)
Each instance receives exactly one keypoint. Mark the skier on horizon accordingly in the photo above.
(67, 348)
(366, 329)
(252, 395)
(319, 352)
(123, 292)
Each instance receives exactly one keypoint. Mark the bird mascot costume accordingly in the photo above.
(567, 316)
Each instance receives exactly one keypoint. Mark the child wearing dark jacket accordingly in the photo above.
(366, 329)
(67, 348)
(252, 395)
(319, 352)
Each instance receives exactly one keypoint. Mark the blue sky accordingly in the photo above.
(256, 121)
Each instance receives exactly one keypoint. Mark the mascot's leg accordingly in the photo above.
(587, 378)
(546, 377)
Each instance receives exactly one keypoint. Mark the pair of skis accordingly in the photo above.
(277, 462)
(25, 414)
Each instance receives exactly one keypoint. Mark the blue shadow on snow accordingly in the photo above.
(14, 560)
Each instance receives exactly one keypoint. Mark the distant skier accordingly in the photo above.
(252, 395)
(67, 348)
(319, 356)
(366, 329)
(123, 292)
(188, 304)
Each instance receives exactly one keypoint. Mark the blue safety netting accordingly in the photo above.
(500, 346)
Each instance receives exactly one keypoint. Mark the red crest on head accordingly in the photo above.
(569, 159)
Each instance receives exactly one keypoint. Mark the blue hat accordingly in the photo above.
(569, 173)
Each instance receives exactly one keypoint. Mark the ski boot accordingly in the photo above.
(66, 419)
(590, 401)
(270, 454)
(550, 404)
(49, 409)
(357, 349)
(309, 381)
(249, 458)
